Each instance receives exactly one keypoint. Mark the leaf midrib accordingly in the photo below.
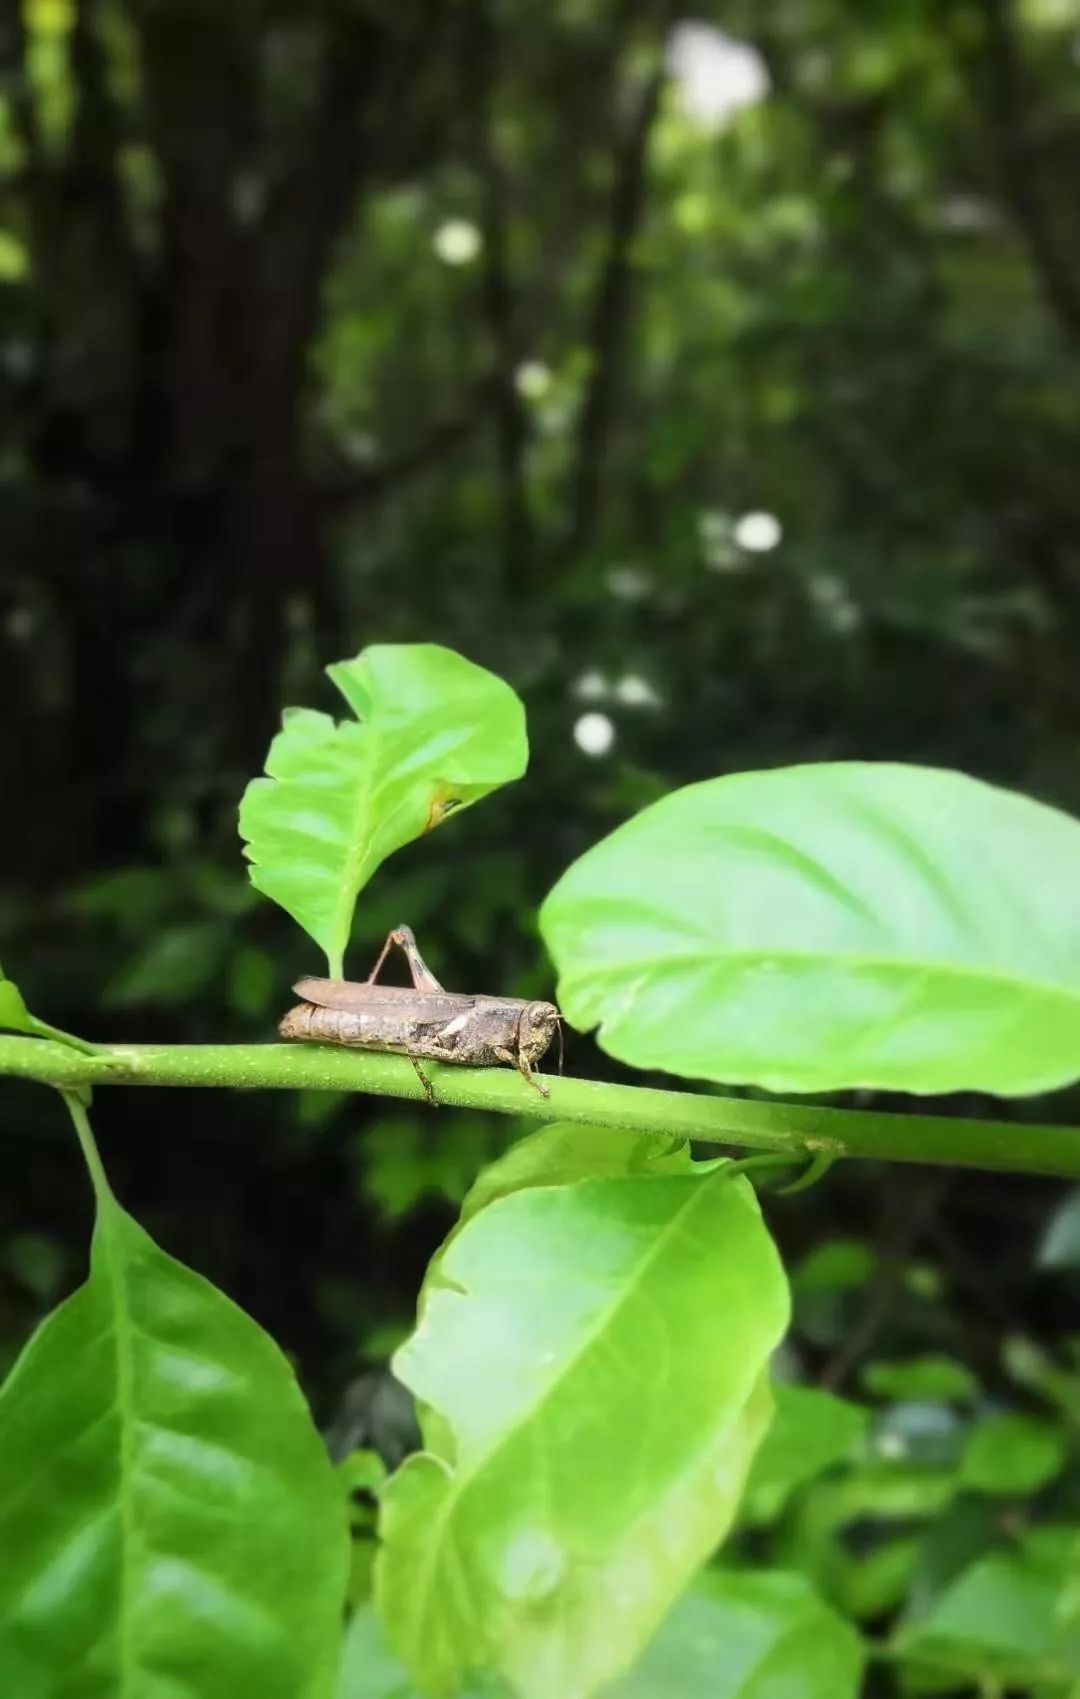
(840, 958)
(123, 1329)
(461, 1480)
(356, 850)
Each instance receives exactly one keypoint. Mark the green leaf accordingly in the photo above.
(171, 1525)
(1000, 1619)
(433, 732)
(810, 1431)
(565, 1151)
(1012, 1454)
(592, 1362)
(747, 1635)
(404, 1159)
(823, 927)
(16, 1017)
(370, 1670)
(838, 1265)
(934, 1379)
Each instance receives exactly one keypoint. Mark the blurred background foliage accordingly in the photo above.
(713, 376)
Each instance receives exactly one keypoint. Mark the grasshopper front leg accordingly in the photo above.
(521, 1064)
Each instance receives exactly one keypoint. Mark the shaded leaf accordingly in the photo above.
(825, 931)
(1012, 1454)
(171, 1525)
(433, 732)
(930, 1378)
(999, 1620)
(370, 1670)
(592, 1361)
(732, 1635)
(810, 1431)
(744, 1635)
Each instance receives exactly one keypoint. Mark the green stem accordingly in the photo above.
(709, 1118)
(76, 1108)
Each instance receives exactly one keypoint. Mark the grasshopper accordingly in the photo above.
(423, 1021)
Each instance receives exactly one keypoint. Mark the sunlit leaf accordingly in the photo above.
(171, 1525)
(565, 1151)
(433, 733)
(826, 929)
(590, 1359)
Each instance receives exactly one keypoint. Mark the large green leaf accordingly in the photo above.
(433, 732)
(831, 926)
(592, 1362)
(171, 1526)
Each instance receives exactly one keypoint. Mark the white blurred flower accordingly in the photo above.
(457, 242)
(834, 603)
(594, 734)
(633, 691)
(717, 544)
(628, 583)
(715, 75)
(533, 380)
(891, 1445)
(592, 686)
(757, 533)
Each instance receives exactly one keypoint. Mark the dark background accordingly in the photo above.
(333, 322)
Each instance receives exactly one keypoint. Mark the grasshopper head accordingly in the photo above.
(536, 1029)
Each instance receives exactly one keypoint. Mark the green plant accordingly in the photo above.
(594, 1360)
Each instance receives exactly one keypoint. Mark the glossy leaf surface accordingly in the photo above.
(822, 927)
(433, 733)
(170, 1522)
(590, 1359)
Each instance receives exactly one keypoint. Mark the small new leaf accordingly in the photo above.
(16, 1017)
(433, 734)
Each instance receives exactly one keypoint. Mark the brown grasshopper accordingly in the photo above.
(423, 1021)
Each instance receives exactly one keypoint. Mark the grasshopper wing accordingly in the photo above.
(434, 1006)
